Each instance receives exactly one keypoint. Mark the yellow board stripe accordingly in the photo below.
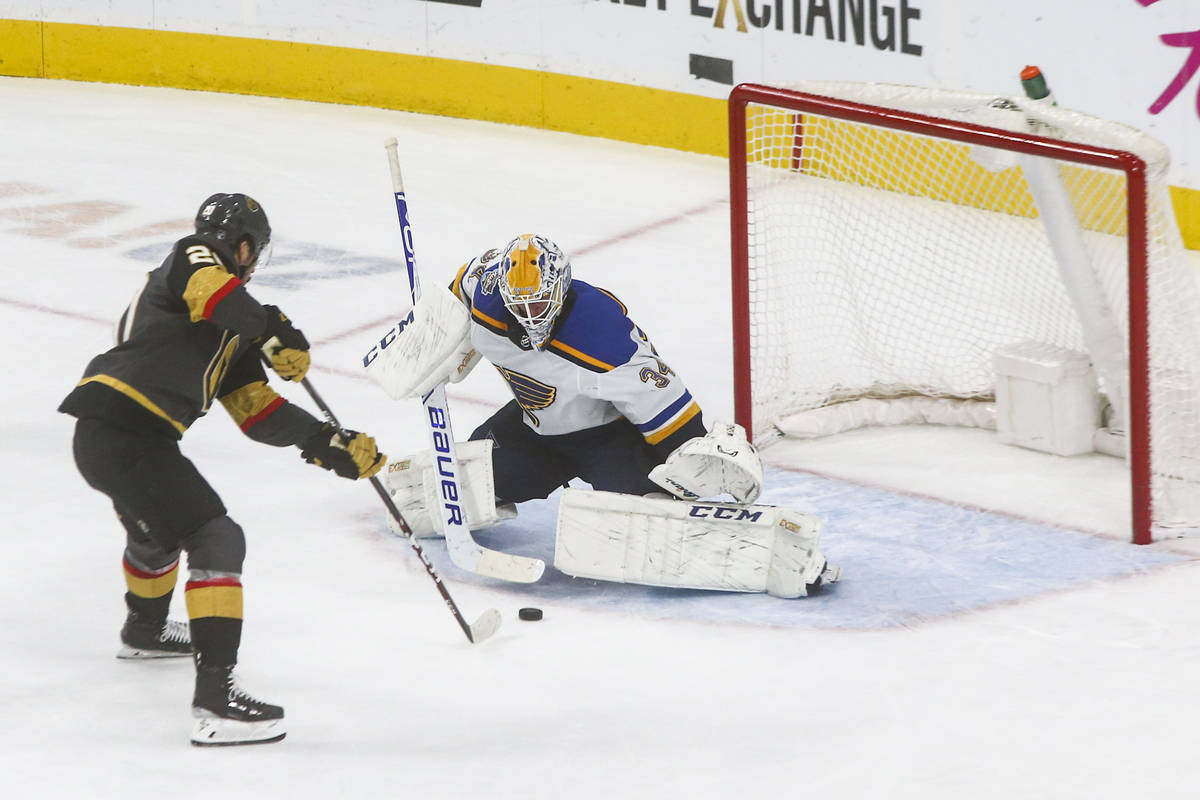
(133, 394)
(214, 601)
(680, 421)
(423, 84)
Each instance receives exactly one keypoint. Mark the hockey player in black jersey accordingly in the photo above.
(192, 335)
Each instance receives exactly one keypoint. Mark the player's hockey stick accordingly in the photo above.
(489, 621)
(464, 550)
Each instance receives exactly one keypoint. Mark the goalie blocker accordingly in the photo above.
(692, 545)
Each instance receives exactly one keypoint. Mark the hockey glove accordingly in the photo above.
(285, 346)
(722, 462)
(352, 457)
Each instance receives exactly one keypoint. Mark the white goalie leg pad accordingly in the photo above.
(416, 488)
(431, 345)
(694, 545)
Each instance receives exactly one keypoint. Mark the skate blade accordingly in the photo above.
(831, 574)
(217, 732)
(136, 653)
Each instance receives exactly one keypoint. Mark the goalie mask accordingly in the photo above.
(534, 278)
(233, 218)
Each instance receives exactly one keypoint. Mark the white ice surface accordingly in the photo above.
(960, 681)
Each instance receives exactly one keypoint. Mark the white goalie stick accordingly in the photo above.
(464, 551)
(489, 621)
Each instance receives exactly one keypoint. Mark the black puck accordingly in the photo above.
(530, 614)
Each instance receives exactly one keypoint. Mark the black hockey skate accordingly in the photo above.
(142, 638)
(226, 715)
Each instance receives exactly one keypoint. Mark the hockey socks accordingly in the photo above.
(224, 713)
(214, 604)
(147, 633)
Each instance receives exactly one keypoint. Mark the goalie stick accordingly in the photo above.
(489, 621)
(464, 551)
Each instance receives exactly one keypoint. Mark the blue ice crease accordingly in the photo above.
(906, 560)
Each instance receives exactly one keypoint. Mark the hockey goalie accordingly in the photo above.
(593, 400)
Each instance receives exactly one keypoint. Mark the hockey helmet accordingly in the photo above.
(534, 278)
(236, 217)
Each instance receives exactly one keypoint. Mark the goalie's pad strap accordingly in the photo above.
(694, 545)
(415, 487)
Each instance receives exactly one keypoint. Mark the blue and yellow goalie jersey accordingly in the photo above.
(596, 366)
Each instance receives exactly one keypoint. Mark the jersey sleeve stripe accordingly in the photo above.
(207, 287)
(492, 324)
(253, 420)
(581, 358)
(136, 396)
(251, 404)
(666, 415)
(674, 425)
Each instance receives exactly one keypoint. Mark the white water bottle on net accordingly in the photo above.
(895, 247)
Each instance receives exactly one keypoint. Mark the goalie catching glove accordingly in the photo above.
(285, 346)
(723, 462)
(429, 347)
(353, 456)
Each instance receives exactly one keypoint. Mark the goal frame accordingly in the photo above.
(1132, 165)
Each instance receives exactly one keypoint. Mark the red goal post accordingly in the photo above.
(842, 162)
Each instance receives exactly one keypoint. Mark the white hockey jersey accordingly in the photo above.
(597, 365)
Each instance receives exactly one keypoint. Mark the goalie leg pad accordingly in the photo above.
(664, 542)
(415, 487)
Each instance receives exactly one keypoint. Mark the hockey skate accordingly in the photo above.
(226, 715)
(829, 574)
(141, 638)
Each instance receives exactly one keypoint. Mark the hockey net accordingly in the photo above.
(888, 241)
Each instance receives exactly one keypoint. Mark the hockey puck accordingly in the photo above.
(530, 614)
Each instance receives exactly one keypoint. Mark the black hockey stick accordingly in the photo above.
(489, 621)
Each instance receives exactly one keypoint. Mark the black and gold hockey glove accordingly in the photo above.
(285, 346)
(352, 457)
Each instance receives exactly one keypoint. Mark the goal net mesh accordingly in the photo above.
(891, 266)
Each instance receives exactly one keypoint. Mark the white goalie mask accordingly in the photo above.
(535, 275)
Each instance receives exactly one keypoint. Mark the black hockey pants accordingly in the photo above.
(612, 458)
(159, 495)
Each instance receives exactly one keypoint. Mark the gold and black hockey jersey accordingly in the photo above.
(189, 337)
